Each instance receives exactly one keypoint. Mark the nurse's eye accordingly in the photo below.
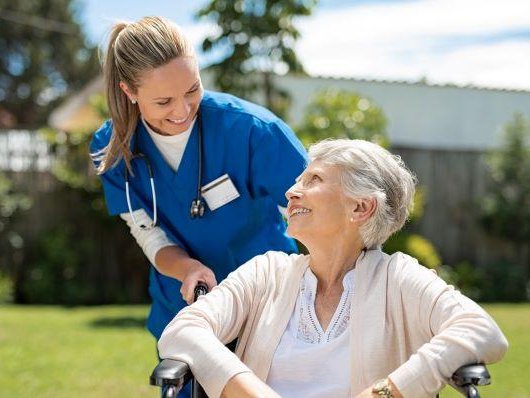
(193, 90)
(162, 103)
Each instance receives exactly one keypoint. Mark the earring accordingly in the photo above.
(133, 101)
(351, 219)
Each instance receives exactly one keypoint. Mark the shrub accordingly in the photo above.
(497, 282)
(416, 246)
(6, 289)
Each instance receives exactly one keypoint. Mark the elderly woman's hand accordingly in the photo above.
(369, 394)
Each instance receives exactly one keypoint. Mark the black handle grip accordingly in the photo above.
(200, 289)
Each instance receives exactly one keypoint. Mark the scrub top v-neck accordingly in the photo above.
(259, 153)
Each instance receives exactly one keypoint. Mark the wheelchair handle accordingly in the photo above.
(170, 371)
(200, 290)
(465, 378)
(173, 374)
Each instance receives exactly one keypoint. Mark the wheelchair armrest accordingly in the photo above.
(170, 371)
(465, 378)
(476, 375)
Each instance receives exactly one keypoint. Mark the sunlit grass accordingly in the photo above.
(81, 352)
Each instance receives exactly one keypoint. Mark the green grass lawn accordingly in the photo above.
(80, 352)
(106, 352)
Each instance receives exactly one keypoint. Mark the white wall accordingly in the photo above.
(425, 116)
(419, 115)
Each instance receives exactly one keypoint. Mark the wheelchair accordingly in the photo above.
(172, 375)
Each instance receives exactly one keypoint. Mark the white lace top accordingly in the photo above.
(307, 353)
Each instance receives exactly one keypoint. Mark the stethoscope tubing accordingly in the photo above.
(197, 205)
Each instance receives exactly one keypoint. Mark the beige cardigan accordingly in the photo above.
(406, 323)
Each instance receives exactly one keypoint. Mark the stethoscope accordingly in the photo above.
(197, 204)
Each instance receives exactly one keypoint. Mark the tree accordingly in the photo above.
(343, 114)
(256, 36)
(44, 56)
(506, 209)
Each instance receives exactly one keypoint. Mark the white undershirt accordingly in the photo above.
(151, 240)
(171, 146)
(310, 362)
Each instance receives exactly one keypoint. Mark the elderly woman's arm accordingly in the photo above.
(198, 333)
(247, 385)
(461, 332)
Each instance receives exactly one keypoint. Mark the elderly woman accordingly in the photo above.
(347, 320)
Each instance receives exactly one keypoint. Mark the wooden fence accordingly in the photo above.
(455, 183)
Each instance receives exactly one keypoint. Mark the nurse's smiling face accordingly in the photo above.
(169, 96)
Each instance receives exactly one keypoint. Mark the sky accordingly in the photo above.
(485, 43)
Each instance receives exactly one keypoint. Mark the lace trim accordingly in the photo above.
(309, 329)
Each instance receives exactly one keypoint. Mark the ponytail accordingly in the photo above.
(123, 113)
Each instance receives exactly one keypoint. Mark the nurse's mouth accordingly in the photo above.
(178, 121)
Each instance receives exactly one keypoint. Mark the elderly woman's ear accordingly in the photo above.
(362, 210)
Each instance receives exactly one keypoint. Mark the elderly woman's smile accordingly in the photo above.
(296, 211)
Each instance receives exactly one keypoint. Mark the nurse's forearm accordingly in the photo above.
(174, 262)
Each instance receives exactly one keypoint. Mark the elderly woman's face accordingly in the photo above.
(317, 203)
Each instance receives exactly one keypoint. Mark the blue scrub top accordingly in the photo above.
(261, 155)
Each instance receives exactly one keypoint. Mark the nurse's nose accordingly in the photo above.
(181, 110)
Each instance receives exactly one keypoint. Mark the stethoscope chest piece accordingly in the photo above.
(197, 208)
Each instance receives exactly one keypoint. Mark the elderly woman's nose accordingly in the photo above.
(292, 192)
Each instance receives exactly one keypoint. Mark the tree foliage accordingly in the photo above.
(256, 36)
(343, 114)
(43, 57)
(506, 209)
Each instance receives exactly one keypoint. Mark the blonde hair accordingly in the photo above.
(370, 171)
(133, 49)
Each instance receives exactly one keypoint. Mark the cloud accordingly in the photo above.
(445, 41)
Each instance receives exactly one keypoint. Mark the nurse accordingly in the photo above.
(198, 176)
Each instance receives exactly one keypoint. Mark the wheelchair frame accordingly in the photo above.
(172, 375)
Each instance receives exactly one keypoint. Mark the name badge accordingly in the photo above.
(219, 192)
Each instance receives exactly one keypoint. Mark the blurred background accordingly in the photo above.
(443, 83)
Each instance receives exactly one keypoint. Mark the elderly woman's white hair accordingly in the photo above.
(370, 171)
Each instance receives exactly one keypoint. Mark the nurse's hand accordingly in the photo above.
(174, 262)
(196, 272)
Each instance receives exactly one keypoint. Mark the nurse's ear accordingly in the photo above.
(128, 92)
